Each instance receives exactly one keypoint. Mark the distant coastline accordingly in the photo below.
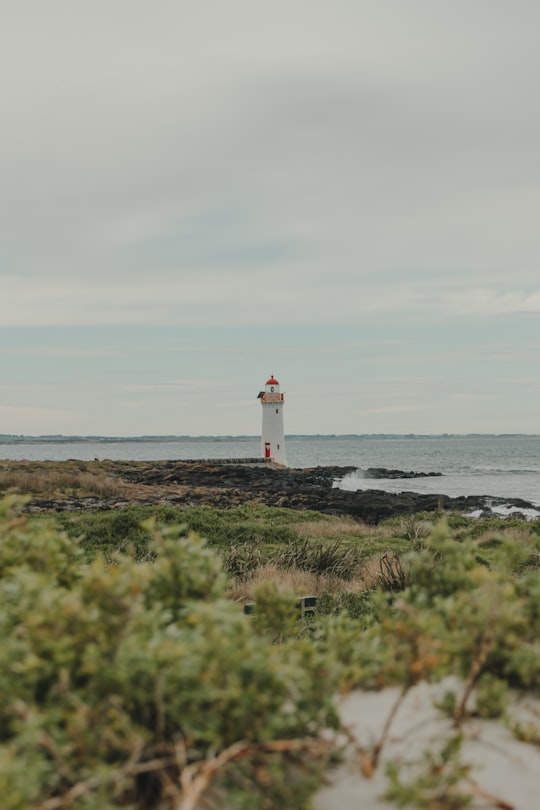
(13, 438)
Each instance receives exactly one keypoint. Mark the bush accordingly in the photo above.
(356, 605)
(453, 613)
(136, 684)
(122, 529)
(108, 532)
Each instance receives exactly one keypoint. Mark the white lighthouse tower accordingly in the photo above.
(273, 436)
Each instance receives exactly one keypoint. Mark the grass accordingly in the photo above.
(330, 528)
(304, 553)
(67, 478)
(292, 580)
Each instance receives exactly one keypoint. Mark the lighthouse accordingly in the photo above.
(273, 436)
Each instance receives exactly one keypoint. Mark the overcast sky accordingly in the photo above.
(197, 194)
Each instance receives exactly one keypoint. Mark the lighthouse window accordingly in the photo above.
(277, 410)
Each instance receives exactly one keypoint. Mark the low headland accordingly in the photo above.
(104, 484)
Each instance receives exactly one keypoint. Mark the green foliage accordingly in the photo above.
(491, 696)
(335, 558)
(526, 732)
(465, 610)
(240, 561)
(108, 532)
(123, 529)
(439, 780)
(246, 537)
(36, 545)
(274, 613)
(356, 605)
(135, 683)
(487, 614)
(118, 661)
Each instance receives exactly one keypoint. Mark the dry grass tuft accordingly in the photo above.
(518, 535)
(372, 571)
(293, 580)
(66, 478)
(331, 529)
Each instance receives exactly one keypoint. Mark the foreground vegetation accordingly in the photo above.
(137, 684)
(132, 678)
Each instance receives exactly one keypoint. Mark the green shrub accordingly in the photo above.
(456, 615)
(123, 529)
(356, 605)
(108, 532)
(440, 780)
(137, 684)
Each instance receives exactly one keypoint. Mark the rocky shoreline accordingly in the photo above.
(227, 485)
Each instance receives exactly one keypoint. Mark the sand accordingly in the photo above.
(505, 769)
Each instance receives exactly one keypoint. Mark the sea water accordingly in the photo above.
(500, 466)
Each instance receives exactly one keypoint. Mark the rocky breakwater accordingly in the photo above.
(227, 485)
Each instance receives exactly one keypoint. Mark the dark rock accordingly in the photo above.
(382, 472)
(227, 485)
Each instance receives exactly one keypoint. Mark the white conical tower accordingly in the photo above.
(273, 436)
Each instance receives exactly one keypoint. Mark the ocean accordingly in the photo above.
(500, 466)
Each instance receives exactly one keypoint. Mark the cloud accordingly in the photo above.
(59, 351)
(397, 408)
(50, 419)
(468, 396)
(172, 386)
(485, 301)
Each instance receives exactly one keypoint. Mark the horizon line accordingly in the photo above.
(60, 437)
